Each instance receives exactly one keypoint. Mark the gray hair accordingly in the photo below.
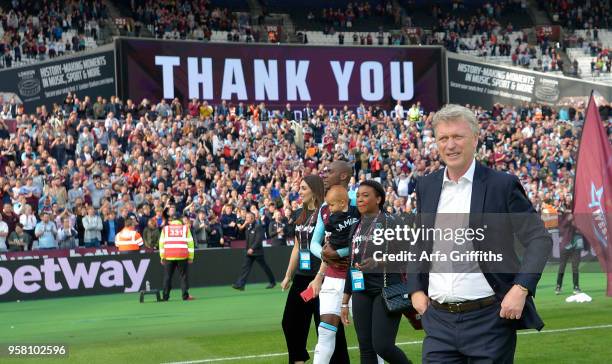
(454, 112)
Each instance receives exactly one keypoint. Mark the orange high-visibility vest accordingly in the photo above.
(176, 242)
(128, 239)
(550, 216)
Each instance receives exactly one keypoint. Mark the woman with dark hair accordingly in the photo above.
(301, 270)
(376, 327)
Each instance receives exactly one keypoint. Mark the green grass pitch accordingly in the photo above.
(225, 324)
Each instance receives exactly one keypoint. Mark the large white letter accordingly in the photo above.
(296, 80)
(24, 275)
(48, 269)
(396, 81)
(233, 80)
(266, 79)
(168, 64)
(366, 85)
(6, 280)
(342, 78)
(196, 78)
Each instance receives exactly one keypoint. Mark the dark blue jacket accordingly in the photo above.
(500, 206)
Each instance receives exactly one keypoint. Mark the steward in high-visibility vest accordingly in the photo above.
(176, 250)
(550, 216)
(414, 113)
(129, 239)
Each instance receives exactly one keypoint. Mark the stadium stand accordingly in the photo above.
(34, 31)
(593, 57)
(194, 19)
(87, 139)
(128, 159)
(343, 15)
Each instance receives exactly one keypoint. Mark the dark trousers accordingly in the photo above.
(296, 324)
(248, 265)
(478, 337)
(376, 330)
(169, 268)
(574, 256)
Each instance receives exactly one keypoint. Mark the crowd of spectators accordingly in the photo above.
(579, 14)
(480, 32)
(601, 63)
(86, 164)
(191, 19)
(344, 19)
(36, 29)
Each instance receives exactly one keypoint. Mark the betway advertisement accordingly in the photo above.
(62, 273)
(278, 74)
(59, 277)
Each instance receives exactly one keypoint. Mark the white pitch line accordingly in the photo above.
(270, 355)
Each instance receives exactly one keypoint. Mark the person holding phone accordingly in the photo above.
(299, 311)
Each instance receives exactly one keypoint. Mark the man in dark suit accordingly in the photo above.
(471, 310)
(255, 253)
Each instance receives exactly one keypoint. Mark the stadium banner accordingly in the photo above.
(279, 74)
(89, 73)
(101, 271)
(484, 84)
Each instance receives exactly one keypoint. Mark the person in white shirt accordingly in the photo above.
(28, 220)
(484, 302)
(402, 185)
(4, 231)
(399, 110)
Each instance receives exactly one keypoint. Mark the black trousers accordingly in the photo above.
(574, 256)
(169, 268)
(475, 337)
(376, 329)
(248, 265)
(296, 324)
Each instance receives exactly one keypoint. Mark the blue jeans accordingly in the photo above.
(92, 244)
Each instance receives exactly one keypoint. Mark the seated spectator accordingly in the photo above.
(18, 240)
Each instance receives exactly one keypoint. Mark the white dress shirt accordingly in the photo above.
(456, 198)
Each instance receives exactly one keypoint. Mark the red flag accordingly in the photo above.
(593, 189)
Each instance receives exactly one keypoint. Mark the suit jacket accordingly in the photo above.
(254, 235)
(273, 232)
(499, 204)
(119, 223)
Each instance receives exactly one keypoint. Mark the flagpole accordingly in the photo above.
(591, 98)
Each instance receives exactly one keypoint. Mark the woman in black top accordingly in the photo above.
(376, 328)
(298, 314)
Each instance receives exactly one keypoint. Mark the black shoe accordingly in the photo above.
(240, 288)
(577, 290)
(558, 290)
(271, 285)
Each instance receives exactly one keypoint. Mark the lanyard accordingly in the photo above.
(307, 224)
(357, 233)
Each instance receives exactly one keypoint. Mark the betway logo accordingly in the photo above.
(30, 278)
